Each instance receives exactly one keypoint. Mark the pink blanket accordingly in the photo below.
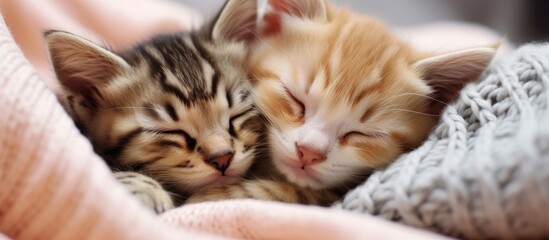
(52, 185)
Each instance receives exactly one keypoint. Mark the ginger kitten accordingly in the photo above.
(343, 97)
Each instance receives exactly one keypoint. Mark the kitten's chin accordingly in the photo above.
(217, 180)
(224, 180)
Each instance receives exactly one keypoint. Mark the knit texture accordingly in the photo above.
(484, 170)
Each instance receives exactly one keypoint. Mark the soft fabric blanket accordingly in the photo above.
(483, 173)
(52, 185)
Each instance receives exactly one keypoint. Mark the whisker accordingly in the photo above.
(267, 118)
(410, 111)
(262, 41)
(413, 94)
(428, 97)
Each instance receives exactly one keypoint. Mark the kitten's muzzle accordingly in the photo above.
(217, 150)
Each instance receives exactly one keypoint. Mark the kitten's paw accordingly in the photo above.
(147, 190)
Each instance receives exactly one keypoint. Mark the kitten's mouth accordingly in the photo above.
(302, 172)
(222, 180)
(305, 171)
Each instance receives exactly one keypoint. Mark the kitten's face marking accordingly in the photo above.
(343, 96)
(177, 107)
(194, 134)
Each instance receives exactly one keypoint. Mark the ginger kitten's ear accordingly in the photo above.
(81, 66)
(448, 73)
(237, 21)
(308, 9)
(271, 19)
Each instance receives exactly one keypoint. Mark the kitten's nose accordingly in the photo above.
(309, 156)
(220, 160)
(217, 150)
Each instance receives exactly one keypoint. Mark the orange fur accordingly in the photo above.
(352, 73)
(362, 64)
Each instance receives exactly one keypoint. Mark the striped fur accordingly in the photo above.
(176, 108)
(263, 189)
(343, 97)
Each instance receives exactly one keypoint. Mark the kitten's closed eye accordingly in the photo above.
(189, 141)
(358, 135)
(300, 109)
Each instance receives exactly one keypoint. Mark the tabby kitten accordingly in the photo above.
(175, 111)
(343, 97)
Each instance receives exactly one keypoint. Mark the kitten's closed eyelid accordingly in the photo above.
(301, 105)
(364, 134)
(191, 142)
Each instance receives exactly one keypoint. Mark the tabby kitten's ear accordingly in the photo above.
(236, 22)
(81, 66)
(448, 73)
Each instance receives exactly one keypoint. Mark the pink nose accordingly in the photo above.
(221, 160)
(309, 156)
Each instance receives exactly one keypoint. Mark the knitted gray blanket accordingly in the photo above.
(483, 173)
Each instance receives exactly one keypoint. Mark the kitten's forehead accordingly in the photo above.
(182, 79)
(186, 66)
(359, 58)
(345, 60)
(343, 71)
